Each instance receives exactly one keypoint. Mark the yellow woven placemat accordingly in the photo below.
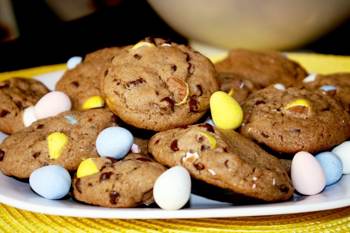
(15, 220)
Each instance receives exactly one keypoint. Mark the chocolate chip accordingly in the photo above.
(226, 163)
(4, 113)
(208, 127)
(258, 102)
(106, 72)
(173, 68)
(204, 147)
(19, 104)
(114, 197)
(296, 130)
(200, 89)
(157, 141)
(264, 135)
(40, 126)
(225, 149)
(75, 84)
(36, 155)
(326, 109)
(157, 92)
(143, 159)
(199, 166)
(137, 56)
(2, 155)
(135, 82)
(77, 185)
(283, 188)
(105, 176)
(89, 184)
(193, 103)
(170, 101)
(173, 145)
(183, 126)
(4, 85)
(200, 139)
(188, 57)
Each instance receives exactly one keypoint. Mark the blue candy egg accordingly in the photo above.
(331, 165)
(114, 142)
(50, 182)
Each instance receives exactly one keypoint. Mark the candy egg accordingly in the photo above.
(93, 102)
(172, 189)
(343, 153)
(298, 103)
(210, 138)
(307, 175)
(56, 142)
(225, 111)
(87, 168)
(332, 166)
(29, 116)
(114, 142)
(142, 44)
(73, 62)
(52, 104)
(50, 182)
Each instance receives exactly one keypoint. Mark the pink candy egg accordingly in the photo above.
(52, 104)
(307, 175)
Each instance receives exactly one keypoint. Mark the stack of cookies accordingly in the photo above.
(135, 111)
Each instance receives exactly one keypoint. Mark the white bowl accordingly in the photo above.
(256, 24)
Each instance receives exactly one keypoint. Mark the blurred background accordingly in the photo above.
(42, 32)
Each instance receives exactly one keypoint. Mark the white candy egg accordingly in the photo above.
(172, 189)
(52, 104)
(29, 116)
(73, 62)
(343, 152)
(50, 182)
(114, 142)
(307, 174)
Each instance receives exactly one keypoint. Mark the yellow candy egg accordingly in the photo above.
(298, 103)
(87, 168)
(142, 44)
(211, 139)
(93, 102)
(225, 111)
(56, 142)
(231, 92)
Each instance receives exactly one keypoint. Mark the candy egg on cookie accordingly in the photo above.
(52, 104)
(114, 142)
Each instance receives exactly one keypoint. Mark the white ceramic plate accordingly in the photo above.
(18, 194)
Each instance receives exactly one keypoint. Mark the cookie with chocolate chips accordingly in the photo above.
(16, 94)
(64, 140)
(236, 86)
(157, 85)
(336, 85)
(225, 159)
(120, 184)
(262, 68)
(83, 82)
(294, 119)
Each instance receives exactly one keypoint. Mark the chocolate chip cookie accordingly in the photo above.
(158, 85)
(238, 87)
(125, 183)
(262, 68)
(16, 94)
(225, 159)
(64, 140)
(83, 81)
(337, 85)
(292, 120)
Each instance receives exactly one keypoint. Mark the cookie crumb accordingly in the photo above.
(254, 186)
(135, 149)
(255, 178)
(190, 156)
(273, 181)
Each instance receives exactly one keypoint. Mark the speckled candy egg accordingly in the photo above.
(114, 142)
(50, 182)
(52, 104)
(307, 174)
(343, 152)
(172, 189)
(331, 165)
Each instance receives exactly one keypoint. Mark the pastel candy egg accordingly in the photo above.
(87, 168)
(225, 111)
(73, 62)
(50, 182)
(93, 102)
(52, 104)
(328, 88)
(343, 152)
(172, 189)
(114, 142)
(332, 166)
(307, 175)
(29, 116)
(56, 142)
(142, 44)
